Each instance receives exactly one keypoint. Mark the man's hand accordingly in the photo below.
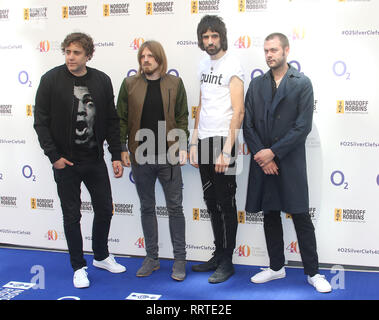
(263, 157)
(182, 157)
(222, 163)
(61, 163)
(125, 158)
(271, 168)
(117, 168)
(194, 156)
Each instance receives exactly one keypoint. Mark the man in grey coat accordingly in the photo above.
(278, 119)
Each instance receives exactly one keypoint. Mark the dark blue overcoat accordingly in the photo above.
(281, 123)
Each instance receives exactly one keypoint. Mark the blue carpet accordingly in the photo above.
(52, 273)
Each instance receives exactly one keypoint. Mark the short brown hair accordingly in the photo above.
(83, 39)
(158, 53)
(282, 38)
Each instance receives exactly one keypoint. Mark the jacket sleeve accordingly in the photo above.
(181, 115)
(249, 131)
(113, 132)
(122, 111)
(42, 120)
(302, 126)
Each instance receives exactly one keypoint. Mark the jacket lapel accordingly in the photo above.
(286, 86)
(267, 89)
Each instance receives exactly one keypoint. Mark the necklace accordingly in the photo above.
(214, 64)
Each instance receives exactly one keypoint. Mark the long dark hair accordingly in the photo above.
(215, 24)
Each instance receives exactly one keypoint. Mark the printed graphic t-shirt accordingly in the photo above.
(84, 146)
(216, 108)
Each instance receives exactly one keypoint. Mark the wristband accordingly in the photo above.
(225, 154)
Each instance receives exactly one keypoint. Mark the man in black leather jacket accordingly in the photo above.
(74, 115)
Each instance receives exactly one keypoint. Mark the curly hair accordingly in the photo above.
(83, 39)
(215, 24)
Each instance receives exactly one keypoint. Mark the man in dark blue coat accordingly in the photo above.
(278, 118)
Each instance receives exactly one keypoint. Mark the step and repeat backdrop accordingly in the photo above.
(334, 42)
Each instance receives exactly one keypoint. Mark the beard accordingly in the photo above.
(277, 63)
(213, 50)
(148, 70)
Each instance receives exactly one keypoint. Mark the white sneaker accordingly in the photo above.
(80, 278)
(320, 283)
(109, 264)
(267, 275)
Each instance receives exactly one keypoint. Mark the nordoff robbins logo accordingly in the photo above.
(349, 215)
(205, 6)
(251, 5)
(4, 14)
(35, 13)
(250, 217)
(159, 7)
(8, 201)
(116, 9)
(352, 106)
(5, 109)
(200, 214)
(37, 203)
(74, 11)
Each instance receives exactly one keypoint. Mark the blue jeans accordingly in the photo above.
(170, 177)
(95, 177)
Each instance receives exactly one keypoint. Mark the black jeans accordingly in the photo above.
(95, 178)
(305, 235)
(219, 190)
(170, 177)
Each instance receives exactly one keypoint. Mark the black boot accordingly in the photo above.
(210, 265)
(223, 272)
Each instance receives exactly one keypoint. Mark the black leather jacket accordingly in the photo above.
(54, 113)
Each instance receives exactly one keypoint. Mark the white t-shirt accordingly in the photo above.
(216, 108)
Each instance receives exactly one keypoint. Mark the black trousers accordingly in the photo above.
(219, 192)
(95, 178)
(304, 228)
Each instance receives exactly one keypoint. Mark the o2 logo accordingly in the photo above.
(27, 172)
(340, 70)
(295, 64)
(337, 178)
(254, 73)
(258, 72)
(23, 78)
(173, 72)
(131, 72)
(377, 179)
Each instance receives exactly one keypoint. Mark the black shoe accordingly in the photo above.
(210, 265)
(223, 272)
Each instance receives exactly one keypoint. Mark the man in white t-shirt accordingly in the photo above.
(218, 120)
